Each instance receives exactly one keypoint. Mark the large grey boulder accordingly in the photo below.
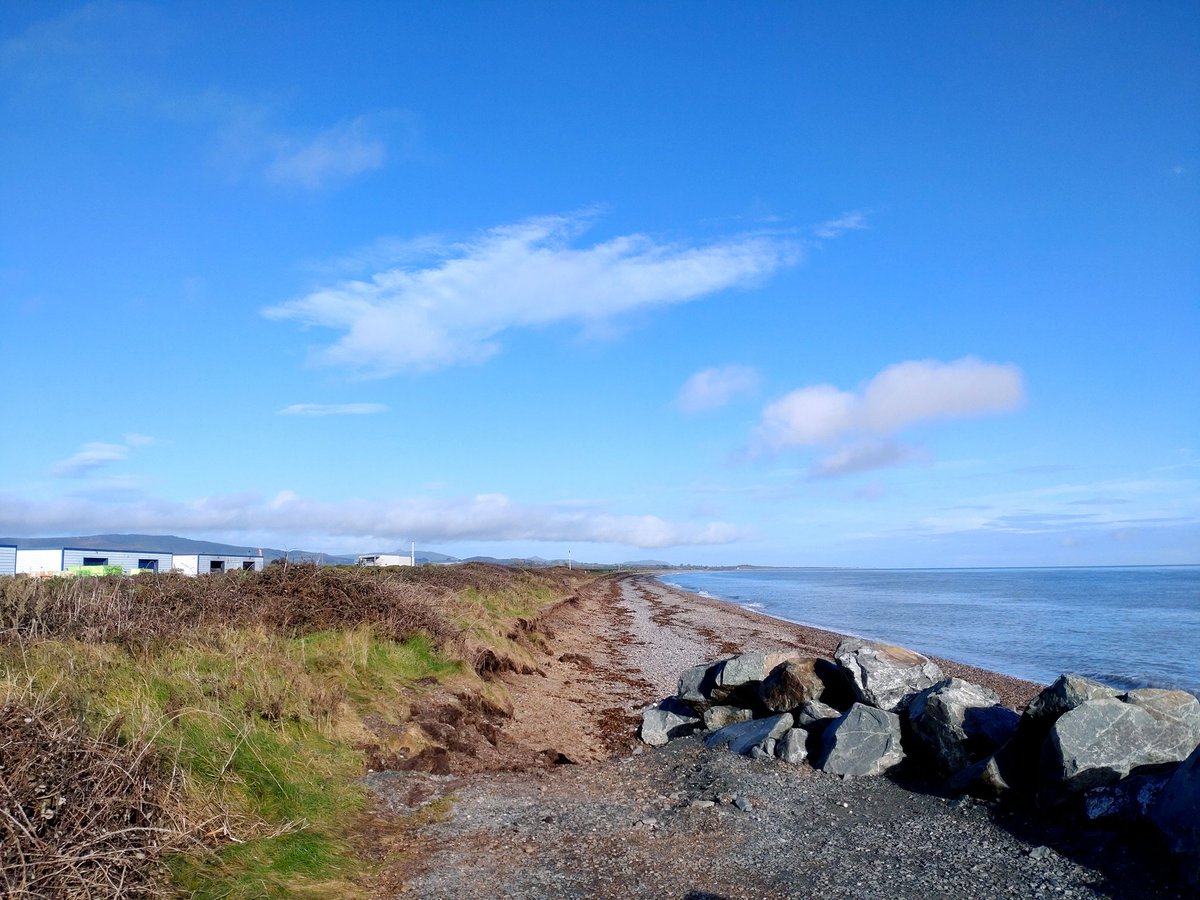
(667, 720)
(864, 741)
(884, 676)
(792, 747)
(1100, 742)
(959, 723)
(1129, 801)
(697, 685)
(1169, 707)
(745, 737)
(717, 717)
(1066, 693)
(734, 680)
(793, 683)
(1177, 816)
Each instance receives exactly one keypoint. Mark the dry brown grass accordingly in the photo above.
(81, 815)
(92, 813)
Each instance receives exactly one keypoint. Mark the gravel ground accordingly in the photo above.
(685, 822)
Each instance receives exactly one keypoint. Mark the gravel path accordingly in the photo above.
(685, 822)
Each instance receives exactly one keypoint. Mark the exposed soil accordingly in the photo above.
(556, 798)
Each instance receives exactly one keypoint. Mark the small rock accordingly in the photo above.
(742, 737)
(667, 720)
(717, 717)
(743, 804)
(791, 748)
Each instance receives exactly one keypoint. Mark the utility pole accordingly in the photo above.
(569, 566)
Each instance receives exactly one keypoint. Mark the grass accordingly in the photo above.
(252, 692)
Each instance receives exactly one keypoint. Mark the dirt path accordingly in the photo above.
(614, 819)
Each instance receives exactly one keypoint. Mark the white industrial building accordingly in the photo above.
(8, 559)
(385, 559)
(216, 563)
(63, 559)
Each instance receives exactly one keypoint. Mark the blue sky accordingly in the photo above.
(783, 283)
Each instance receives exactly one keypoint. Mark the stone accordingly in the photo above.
(717, 717)
(792, 747)
(1178, 707)
(791, 684)
(742, 737)
(729, 681)
(1177, 816)
(884, 676)
(1128, 802)
(1100, 742)
(959, 723)
(864, 741)
(988, 779)
(742, 669)
(667, 720)
(697, 684)
(814, 711)
(1066, 693)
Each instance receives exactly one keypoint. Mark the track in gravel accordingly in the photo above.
(635, 822)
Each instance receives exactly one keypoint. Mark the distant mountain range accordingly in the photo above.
(169, 543)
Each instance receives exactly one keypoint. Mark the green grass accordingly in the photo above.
(266, 729)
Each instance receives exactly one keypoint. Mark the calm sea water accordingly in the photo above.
(1129, 627)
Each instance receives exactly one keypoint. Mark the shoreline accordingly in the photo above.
(593, 812)
(1014, 692)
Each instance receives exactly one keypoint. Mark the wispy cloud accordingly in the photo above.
(96, 455)
(342, 151)
(454, 308)
(91, 456)
(713, 388)
(333, 409)
(487, 517)
(900, 396)
(863, 457)
(95, 56)
(850, 221)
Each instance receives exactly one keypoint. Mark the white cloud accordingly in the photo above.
(454, 308)
(487, 517)
(97, 454)
(713, 388)
(90, 456)
(332, 409)
(900, 396)
(863, 457)
(344, 150)
(811, 415)
(928, 390)
(851, 221)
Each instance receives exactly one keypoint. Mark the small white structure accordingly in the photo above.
(385, 559)
(216, 563)
(56, 561)
(8, 559)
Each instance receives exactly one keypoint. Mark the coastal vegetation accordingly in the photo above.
(208, 735)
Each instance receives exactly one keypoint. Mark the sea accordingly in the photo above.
(1128, 627)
